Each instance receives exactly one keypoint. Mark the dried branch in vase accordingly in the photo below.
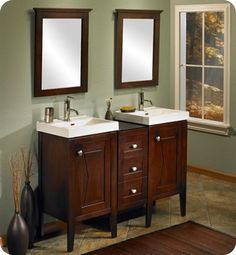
(28, 161)
(16, 169)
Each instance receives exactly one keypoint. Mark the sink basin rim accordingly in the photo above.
(153, 115)
(89, 126)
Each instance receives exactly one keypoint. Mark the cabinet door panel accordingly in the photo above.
(92, 177)
(164, 158)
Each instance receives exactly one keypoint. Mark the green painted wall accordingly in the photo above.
(19, 110)
(208, 150)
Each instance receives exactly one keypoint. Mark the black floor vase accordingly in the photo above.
(17, 236)
(28, 211)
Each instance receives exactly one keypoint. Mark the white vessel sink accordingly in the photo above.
(152, 115)
(78, 126)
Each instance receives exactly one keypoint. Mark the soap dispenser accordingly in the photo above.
(108, 115)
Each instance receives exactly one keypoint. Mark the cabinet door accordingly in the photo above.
(164, 159)
(92, 174)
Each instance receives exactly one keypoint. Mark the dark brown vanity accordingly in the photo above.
(104, 174)
(78, 179)
(91, 167)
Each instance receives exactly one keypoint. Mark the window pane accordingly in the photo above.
(194, 91)
(213, 94)
(214, 38)
(194, 39)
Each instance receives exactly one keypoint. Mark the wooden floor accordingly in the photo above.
(187, 238)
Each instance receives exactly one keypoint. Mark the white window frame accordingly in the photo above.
(195, 123)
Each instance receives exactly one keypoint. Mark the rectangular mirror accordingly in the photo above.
(137, 48)
(61, 51)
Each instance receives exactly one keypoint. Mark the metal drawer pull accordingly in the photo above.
(134, 168)
(134, 146)
(158, 139)
(133, 191)
(80, 153)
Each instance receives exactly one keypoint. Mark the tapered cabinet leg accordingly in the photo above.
(70, 236)
(40, 222)
(113, 226)
(182, 200)
(39, 231)
(149, 214)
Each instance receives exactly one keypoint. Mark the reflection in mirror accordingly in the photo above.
(61, 57)
(61, 51)
(137, 48)
(137, 54)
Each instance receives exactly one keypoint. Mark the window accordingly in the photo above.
(202, 65)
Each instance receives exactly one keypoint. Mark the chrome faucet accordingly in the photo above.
(68, 109)
(141, 101)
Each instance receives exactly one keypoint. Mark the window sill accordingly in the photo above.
(212, 127)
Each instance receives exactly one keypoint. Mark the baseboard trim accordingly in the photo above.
(229, 177)
(3, 240)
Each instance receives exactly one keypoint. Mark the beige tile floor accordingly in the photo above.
(210, 202)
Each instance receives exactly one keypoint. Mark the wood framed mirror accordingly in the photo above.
(137, 48)
(61, 51)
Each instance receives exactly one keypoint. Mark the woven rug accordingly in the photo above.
(186, 238)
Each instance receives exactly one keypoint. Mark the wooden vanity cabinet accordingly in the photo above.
(132, 168)
(105, 174)
(167, 164)
(78, 179)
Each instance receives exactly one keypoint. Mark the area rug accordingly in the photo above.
(186, 238)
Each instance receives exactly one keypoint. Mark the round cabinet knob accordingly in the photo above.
(80, 153)
(133, 191)
(134, 168)
(158, 139)
(134, 146)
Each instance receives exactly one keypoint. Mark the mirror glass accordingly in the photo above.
(61, 56)
(137, 53)
(61, 51)
(137, 48)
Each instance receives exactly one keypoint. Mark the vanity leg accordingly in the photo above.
(70, 235)
(113, 226)
(38, 191)
(40, 227)
(149, 214)
(39, 214)
(182, 200)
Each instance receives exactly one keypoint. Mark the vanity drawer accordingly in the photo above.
(132, 160)
(132, 192)
(132, 141)
(132, 167)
